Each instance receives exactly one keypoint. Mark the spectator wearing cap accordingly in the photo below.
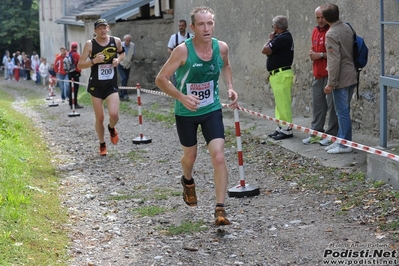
(73, 53)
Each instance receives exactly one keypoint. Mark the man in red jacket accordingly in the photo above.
(62, 76)
(321, 102)
(74, 75)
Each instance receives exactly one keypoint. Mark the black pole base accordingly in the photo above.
(240, 191)
(143, 140)
(53, 104)
(73, 114)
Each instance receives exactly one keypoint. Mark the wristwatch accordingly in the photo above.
(322, 55)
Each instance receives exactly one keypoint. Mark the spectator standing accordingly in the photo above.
(279, 50)
(10, 68)
(322, 103)
(125, 64)
(22, 62)
(17, 66)
(5, 64)
(198, 63)
(176, 39)
(44, 74)
(75, 75)
(28, 66)
(179, 37)
(341, 73)
(62, 76)
(36, 71)
(104, 52)
(33, 55)
(52, 71)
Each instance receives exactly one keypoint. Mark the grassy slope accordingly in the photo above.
(31, 218)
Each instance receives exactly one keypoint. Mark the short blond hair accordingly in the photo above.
(200, 9)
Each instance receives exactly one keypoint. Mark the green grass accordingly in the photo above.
(150, 210)
(186, 227)
(84, 97)
(31, 219)
(165, 193)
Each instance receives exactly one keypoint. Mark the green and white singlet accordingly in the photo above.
(200, 78)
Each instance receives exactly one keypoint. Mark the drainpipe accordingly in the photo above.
(51, 12)
(42, 4)
(65, 26)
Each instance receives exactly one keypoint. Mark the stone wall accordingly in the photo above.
(245, 26)
(150, 38)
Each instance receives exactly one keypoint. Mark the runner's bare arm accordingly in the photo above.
(177, 58)
(227, 74)
(121, 52)
(83, 62)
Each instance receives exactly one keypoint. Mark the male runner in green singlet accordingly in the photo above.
(198, 63)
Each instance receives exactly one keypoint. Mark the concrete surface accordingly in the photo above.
(379, 168)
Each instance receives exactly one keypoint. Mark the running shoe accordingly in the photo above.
(103, 150)
(220, 216)
(113, 135)
(189, 195)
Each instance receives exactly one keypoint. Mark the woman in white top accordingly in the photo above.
(35, 66)
(43, 68)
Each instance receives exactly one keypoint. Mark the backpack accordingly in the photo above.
(69, 66)
(360, 55)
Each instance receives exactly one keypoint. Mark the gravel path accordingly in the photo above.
(285, 225)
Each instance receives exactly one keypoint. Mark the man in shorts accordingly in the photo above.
(198, 63)
(105, 52)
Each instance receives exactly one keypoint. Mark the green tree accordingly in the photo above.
(19, 25)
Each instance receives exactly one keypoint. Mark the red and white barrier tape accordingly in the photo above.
(348, 143)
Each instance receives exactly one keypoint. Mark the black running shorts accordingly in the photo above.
(211, 125)
(101, 92)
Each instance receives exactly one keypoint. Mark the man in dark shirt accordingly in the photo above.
(279, 50)
(103, 54)
(28, 66)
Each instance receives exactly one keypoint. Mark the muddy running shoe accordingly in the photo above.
(103, 150)
(113, 135)
(189, 196)
(220, 216)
